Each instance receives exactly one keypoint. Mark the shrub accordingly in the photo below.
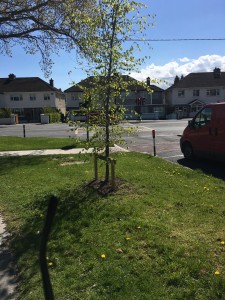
(5, 113)
(54, 117)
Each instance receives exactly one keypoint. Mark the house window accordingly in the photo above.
(213, 92)
(181, 93)
(143, 94)
(16, 98)
(46, 97)
(32, 97)
(196, 93)
(76, 96)
(132, 94)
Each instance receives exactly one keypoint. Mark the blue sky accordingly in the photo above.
(175, 19)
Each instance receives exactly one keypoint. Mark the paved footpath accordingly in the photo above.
(8, 282)
(57, 151)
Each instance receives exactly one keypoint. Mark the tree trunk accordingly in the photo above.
(108, 94)
(107, 137)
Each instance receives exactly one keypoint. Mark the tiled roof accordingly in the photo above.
(25, 84)
(205, 79)
(135, 85)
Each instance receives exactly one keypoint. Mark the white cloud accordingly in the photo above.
(184, 59)
(165, 74)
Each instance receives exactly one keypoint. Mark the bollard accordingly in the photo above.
(153, 136)
(24, 132)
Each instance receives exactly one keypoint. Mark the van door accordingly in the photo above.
(200, 135)
(218, 133)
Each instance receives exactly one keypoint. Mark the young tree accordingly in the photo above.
(43, 25)
(176, 79)
(111, 50)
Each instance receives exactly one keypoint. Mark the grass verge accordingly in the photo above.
(9, 143)
(159, 236)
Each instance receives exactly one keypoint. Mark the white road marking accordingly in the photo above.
(144, 127)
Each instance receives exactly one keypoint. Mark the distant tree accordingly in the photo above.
(176, 79)
(43, 25)
(182, 77)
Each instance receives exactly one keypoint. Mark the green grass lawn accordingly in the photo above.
(9, 143)
(159, 236)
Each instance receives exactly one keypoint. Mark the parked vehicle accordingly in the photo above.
(205, 134)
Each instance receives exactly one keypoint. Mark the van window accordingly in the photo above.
(203, 118)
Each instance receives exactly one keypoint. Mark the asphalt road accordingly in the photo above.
(167, 144)
(167, 141)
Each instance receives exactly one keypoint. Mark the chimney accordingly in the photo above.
(148, 81)
(217, 73)
(12, 76)
(51, 82)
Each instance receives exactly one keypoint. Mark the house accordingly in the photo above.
(26, 96)
(138, 99)
(189, 94)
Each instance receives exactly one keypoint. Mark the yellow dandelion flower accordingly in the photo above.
(50, 264)
(139, 227)
(127, 238)
(222, 242)
(217, 273)
(103, 256)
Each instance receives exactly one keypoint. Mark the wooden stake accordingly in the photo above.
(113, 162)
(96, 166)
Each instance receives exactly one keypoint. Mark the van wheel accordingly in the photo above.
(188, 151)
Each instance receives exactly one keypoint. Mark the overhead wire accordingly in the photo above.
(174, 39)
